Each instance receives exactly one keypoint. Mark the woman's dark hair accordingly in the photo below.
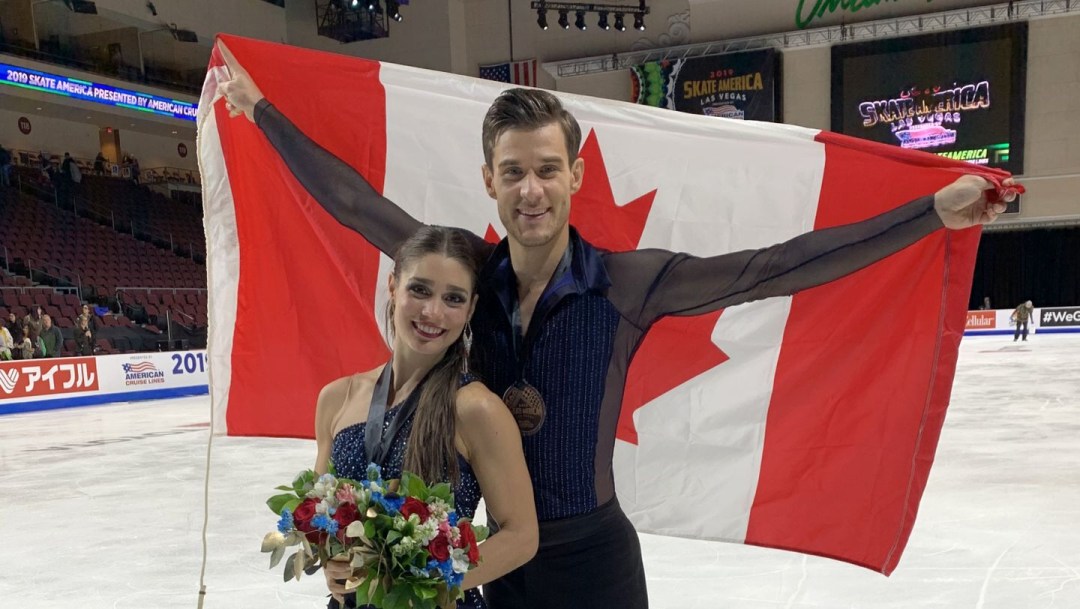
(431, 453)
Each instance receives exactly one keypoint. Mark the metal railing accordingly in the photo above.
(44, 270)
(151, 75)
(176, 175)
(81, 206)
(148, 289)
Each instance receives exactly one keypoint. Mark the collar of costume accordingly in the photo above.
(586, 271)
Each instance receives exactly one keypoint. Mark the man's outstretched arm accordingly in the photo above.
(649, 284)
(337, 187)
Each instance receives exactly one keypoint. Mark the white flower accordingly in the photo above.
(460, 560)
(406, 545)
(439, 509)
(325, 486)
(399, 522)
(424, 533)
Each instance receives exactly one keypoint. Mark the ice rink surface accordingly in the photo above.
(102, 507)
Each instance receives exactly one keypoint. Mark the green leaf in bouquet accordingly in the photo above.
(304, 482)
(426, 593)
(279, 502)
(294, 538)
(443, 598)
(369, 528)
(394, 598)
(392, 536)
(413, 486)
(442, 491)
(372, 592)
(481, 531)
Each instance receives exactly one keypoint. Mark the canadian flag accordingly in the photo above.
(806, 423)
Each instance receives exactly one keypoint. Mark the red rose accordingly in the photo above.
(303, 514)
(439, 548)
(468, 541)
(415, 506)
(345, 515)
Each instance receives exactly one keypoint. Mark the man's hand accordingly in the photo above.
(239, 91)
(966, 202)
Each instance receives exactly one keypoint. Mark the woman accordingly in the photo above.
(435, 420)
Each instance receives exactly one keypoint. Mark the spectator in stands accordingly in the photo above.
(73, 170)
(51, 338)
(91, 318)
(26, 346)
(62, 179)
(135, 170)
(33, 321)
(986, 304)
(84, 337)
(7, 343)
(46, 166)
(99, 164)
(5, 167)
(15, 327)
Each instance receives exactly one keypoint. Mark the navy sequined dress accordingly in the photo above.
(349, 460)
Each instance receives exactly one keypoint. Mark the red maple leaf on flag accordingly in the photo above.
(676, 349)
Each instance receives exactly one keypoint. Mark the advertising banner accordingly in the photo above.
(743, 86)
(54, 383)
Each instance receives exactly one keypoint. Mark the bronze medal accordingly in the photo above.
(527, 406)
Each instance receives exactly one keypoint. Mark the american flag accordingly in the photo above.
(515, 72)
(140, 367)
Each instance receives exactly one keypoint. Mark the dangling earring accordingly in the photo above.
(390, 324)
(466, 342)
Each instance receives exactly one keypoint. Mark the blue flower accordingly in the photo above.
(392, 505)
(286, 523)
(452, 517)
(453, 579)
(374, 473)
(325, 523)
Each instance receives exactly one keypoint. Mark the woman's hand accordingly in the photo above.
(240, 92)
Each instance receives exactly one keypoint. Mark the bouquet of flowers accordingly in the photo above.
(404, 540)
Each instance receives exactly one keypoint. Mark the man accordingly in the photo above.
(51, 338)
(557, 319)
(1020, 316)
(84, 336)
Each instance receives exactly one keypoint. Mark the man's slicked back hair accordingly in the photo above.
(528, 109)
